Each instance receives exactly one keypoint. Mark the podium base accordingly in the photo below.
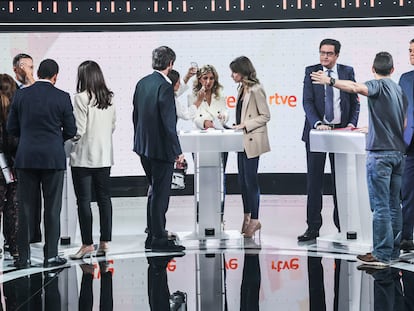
(227, 239)
(341, 243)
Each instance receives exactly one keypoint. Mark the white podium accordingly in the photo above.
(351, 187)
(207, 146)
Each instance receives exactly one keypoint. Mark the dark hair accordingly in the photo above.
(18, 57)
(162, 57)
(174, 76)
(47, 69)
(412, 41)
(243, 66)
(335, 43)
(91, 80)
(383, 63)
(7, 90)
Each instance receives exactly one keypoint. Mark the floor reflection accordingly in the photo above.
(220, 281)
(102, 271)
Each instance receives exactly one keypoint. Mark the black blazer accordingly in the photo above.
(41, 116)
(314, 100)
(154, 117)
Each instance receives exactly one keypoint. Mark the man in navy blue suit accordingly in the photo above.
(156, 142)
(344, 113)
(23, 69)
(41, 116)
(407, 186)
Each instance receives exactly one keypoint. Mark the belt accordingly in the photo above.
(334, 126)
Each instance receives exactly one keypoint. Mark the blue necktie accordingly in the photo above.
(329, 114)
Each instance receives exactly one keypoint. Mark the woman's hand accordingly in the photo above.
(239, 126)
(208, 124)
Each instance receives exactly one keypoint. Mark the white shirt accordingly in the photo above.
(184, 111)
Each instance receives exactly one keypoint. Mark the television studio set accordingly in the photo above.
(227, 186)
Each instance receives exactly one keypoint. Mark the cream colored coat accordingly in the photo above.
(209, 112)
(94, 148)
(255, 114)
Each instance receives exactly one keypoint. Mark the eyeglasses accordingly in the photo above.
(329, 54)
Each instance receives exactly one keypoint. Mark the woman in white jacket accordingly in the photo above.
(212, 111)
(91, 156)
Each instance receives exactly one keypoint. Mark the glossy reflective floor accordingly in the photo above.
(270, 272)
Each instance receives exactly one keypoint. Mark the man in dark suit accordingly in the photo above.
(156, 142)
(41, 116)
(23, 70)
(322, 113)
(407, 85)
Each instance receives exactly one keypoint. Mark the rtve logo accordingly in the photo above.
(276, 99)
(233, 264)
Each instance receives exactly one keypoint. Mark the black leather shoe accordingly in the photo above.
(309, 235)
(406, 245)
(148, 242)
(22, 264)
(165, 245)
(54, 262)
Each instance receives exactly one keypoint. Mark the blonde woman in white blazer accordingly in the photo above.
(91, 156)
(252, 115)
(212, 111)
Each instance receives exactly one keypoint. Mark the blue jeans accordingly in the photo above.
(384, 171)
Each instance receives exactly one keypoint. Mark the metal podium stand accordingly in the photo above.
(207, 146)
(351, 187)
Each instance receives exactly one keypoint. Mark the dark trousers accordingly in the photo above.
(51, 182)
(106, 294)
(315, 178)
(250, 287)
(83, 181)
(317, 285)
(388, 292)
(9, 208)
(159, 176)
(36, 220)
(158, 290)
(249, 183)
(407, 193)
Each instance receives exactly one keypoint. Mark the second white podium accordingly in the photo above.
(351, 187)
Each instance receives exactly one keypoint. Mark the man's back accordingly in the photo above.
(41, 115)
(155, 118)
(387, 107)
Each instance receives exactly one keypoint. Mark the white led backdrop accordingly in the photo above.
(279, 56)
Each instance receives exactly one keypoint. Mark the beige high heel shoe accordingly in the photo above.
(253, 226)
(246, 222)
(84, 251)
(102, 249)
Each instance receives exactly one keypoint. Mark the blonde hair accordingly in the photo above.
(203, 71)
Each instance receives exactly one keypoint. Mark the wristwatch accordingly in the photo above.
(332, 81)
